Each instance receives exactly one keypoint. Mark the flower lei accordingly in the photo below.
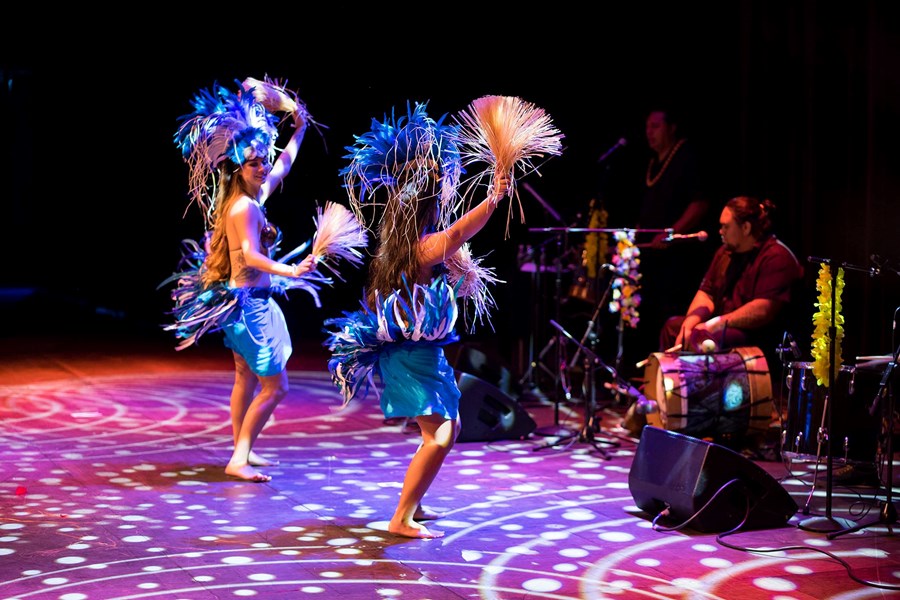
(625, 296)
(822, 322)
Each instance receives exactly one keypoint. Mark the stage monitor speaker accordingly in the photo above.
(475, 362)
(684, 473)
(487, 414)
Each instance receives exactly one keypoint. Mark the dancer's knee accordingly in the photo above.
(439, 445)
(276, 387)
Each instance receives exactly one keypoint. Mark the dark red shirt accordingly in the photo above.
(768, 271)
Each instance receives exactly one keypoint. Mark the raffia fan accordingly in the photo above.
(506, 130)
(338, 235)
(507, 133)
(271, 94)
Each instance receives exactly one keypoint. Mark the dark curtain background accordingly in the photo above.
(795, 101)
(818, 111)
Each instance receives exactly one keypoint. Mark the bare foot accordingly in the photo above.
(258, 461)
(424, 514)
(247, 473)
(414, 530)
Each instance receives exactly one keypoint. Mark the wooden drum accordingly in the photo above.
(709, 395)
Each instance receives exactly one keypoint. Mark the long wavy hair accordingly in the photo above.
(403, 173)
(217, 266)
(406, 218)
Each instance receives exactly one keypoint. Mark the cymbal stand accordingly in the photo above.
(887, 514)
(560, 378)
(527, 378)
(590, 427)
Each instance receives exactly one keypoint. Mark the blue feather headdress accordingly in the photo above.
(402, 157)
(223, 124)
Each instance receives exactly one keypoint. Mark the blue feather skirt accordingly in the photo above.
(200, 310)
(402, 343)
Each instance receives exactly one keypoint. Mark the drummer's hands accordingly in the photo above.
(684, 334)
(703, 335)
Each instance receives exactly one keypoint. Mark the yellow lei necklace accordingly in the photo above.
(651, 181)
(824, 372)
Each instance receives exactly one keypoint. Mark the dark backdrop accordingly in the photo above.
(795, 101)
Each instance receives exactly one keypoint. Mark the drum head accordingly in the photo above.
(710, 395)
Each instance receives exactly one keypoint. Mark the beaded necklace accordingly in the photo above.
(651, 181)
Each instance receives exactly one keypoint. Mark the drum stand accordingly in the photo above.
(590, 427)
(887, 515)
(558, 374)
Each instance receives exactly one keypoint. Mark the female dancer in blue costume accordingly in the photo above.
(229, 140)
(410, 308)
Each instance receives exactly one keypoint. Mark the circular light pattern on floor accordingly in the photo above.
(115, 485)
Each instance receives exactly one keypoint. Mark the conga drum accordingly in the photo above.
(715, 394)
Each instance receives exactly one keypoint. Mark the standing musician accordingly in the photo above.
(674, 199)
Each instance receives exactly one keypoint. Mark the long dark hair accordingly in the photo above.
(399, 232)
(217, 266)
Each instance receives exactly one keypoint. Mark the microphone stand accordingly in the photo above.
(829, 523)
(587, 434)
(592, 323)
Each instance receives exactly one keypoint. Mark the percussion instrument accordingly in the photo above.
(853, 430)
(711, 394)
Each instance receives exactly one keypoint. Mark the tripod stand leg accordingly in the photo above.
(528, 376)
(887, 515)
(559, 381)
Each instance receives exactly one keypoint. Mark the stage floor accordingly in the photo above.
(112, 486)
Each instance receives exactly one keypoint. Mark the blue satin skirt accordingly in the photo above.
(260, 335)
(418, 380)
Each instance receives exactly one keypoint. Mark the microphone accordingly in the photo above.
(795, 350)
(700, 236)
(612, 269)
(879, 262)
(882, 386)
(621, 143)
(642, 404)
(882, 264)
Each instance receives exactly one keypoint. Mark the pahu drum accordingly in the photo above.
(855, 432)
(719, 394)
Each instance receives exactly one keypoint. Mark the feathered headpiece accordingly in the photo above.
(234, 125)
(403, 157)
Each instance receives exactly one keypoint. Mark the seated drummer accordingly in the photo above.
(742, 297)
